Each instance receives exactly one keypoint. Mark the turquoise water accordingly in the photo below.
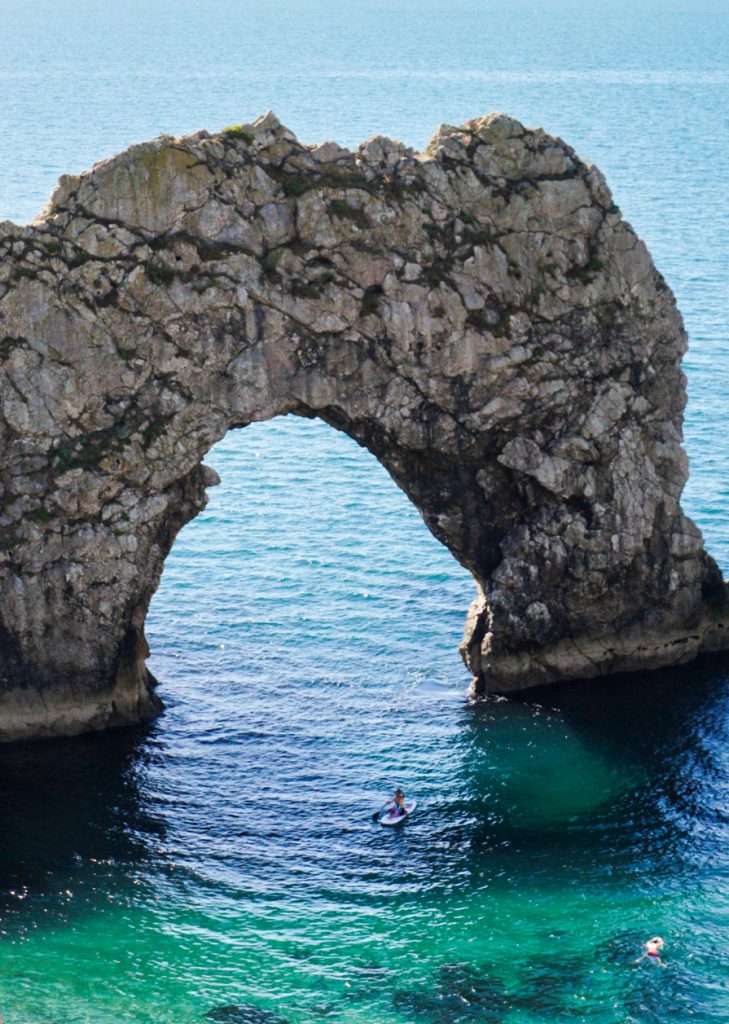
(306, 628)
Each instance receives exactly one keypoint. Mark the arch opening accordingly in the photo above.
(308, 563)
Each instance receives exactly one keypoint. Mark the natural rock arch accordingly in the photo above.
(478, 316)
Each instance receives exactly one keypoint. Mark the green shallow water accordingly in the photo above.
(223, 861)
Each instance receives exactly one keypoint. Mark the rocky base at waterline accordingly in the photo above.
(479, 316)
(633, 649)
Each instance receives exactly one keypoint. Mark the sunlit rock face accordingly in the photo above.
(478, 316)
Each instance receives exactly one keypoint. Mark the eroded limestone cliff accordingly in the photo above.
(479, 316)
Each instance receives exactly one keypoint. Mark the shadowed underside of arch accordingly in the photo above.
(478, 316)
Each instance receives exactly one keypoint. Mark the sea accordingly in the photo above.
(221, 864)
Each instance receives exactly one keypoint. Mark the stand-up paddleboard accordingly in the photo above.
(391, 818)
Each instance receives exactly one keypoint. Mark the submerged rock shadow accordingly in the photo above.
(462, 994)
(243, 1013)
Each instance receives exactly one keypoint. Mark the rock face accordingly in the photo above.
(478, 316)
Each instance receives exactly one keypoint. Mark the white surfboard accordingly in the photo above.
(391, 818)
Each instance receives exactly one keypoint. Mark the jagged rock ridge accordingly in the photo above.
(479, 316)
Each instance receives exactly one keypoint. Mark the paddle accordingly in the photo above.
(376, 815)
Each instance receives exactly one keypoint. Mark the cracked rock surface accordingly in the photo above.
(478, 316)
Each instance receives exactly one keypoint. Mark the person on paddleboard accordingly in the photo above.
(399, 802)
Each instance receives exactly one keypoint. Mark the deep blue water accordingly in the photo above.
(305, 632)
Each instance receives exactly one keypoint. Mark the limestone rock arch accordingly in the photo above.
(479, 316)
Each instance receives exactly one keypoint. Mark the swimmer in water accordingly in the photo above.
(652, 951)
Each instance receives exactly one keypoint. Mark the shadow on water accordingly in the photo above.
(579, 752)
(648, 716)
(670, 728)
(72, 811)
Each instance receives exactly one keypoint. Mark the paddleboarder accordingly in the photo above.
(399, 801)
